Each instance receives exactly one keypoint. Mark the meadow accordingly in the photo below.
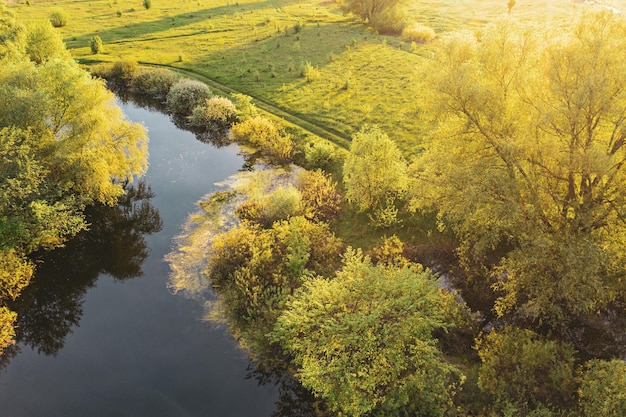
(305, 60)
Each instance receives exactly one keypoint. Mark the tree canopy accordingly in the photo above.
(527, 162)
(363, 340)
(64, 144)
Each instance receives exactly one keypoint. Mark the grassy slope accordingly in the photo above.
(251, 46)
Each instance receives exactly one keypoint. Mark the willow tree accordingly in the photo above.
(528, 162)
(64, 144)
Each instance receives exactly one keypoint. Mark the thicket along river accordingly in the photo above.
(100, 334)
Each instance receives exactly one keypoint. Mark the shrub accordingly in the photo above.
(351, 350)
(217, 111)
(58, 18)
(320, 155)
(523, 372)
(124, 69)
(602, 390)
(310, 72)
(266, 135)
(147, 4)
(319, 194)
(187, 94)
(245, 108)
(418, 33)
(102, 70)
(390, 22)
(96, 45)
(282, 204)
(153, 82)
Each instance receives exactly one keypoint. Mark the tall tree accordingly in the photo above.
(528, 162)
(64, 144)
(374, 170)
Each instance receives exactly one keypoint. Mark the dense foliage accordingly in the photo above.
(363, 340)
(64, 145)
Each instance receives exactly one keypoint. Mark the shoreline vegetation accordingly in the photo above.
(445, 261)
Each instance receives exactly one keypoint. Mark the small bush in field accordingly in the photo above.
(418, 33)
(96, 45)
(186, 94)
(153, 82)
(124, 69)
(310, 72)
(217, 111)
(265, 135)
(388, 23)
(58, 18)
(147, 4)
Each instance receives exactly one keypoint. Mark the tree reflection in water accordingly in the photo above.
(52, 304)
(293, 399)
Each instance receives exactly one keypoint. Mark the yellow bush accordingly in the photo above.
(418, 33)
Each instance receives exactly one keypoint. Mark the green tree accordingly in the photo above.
(524, 372)
(363, 341)
(64, 144)
(42, 43)
(12, 34)
(374, 170)
(527, 162)
(96, 45)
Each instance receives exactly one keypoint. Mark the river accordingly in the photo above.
(101, 334)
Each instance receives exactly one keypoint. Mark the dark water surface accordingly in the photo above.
(103, 336)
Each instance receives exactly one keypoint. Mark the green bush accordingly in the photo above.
(310, 73)
(96, 45)
(390, 22)
(153, 82)
(320, 155)
(58, 18)
(147, 4)
(186, 94)
(265, 135)
(245, 108)
(418, 33)
(319, 195)
(352, 350)
(124, 69)
(102, 70)
(217, 111)
(602, 390)
(525, 373)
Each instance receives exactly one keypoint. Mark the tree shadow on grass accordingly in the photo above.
(150, 30)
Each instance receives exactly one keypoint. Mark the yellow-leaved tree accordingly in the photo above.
(64, 144)
(527, 164)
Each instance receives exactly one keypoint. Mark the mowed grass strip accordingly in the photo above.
(305, 58)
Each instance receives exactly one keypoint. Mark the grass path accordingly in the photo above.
(306, 125)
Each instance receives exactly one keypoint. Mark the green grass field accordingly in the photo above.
(260, 47)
